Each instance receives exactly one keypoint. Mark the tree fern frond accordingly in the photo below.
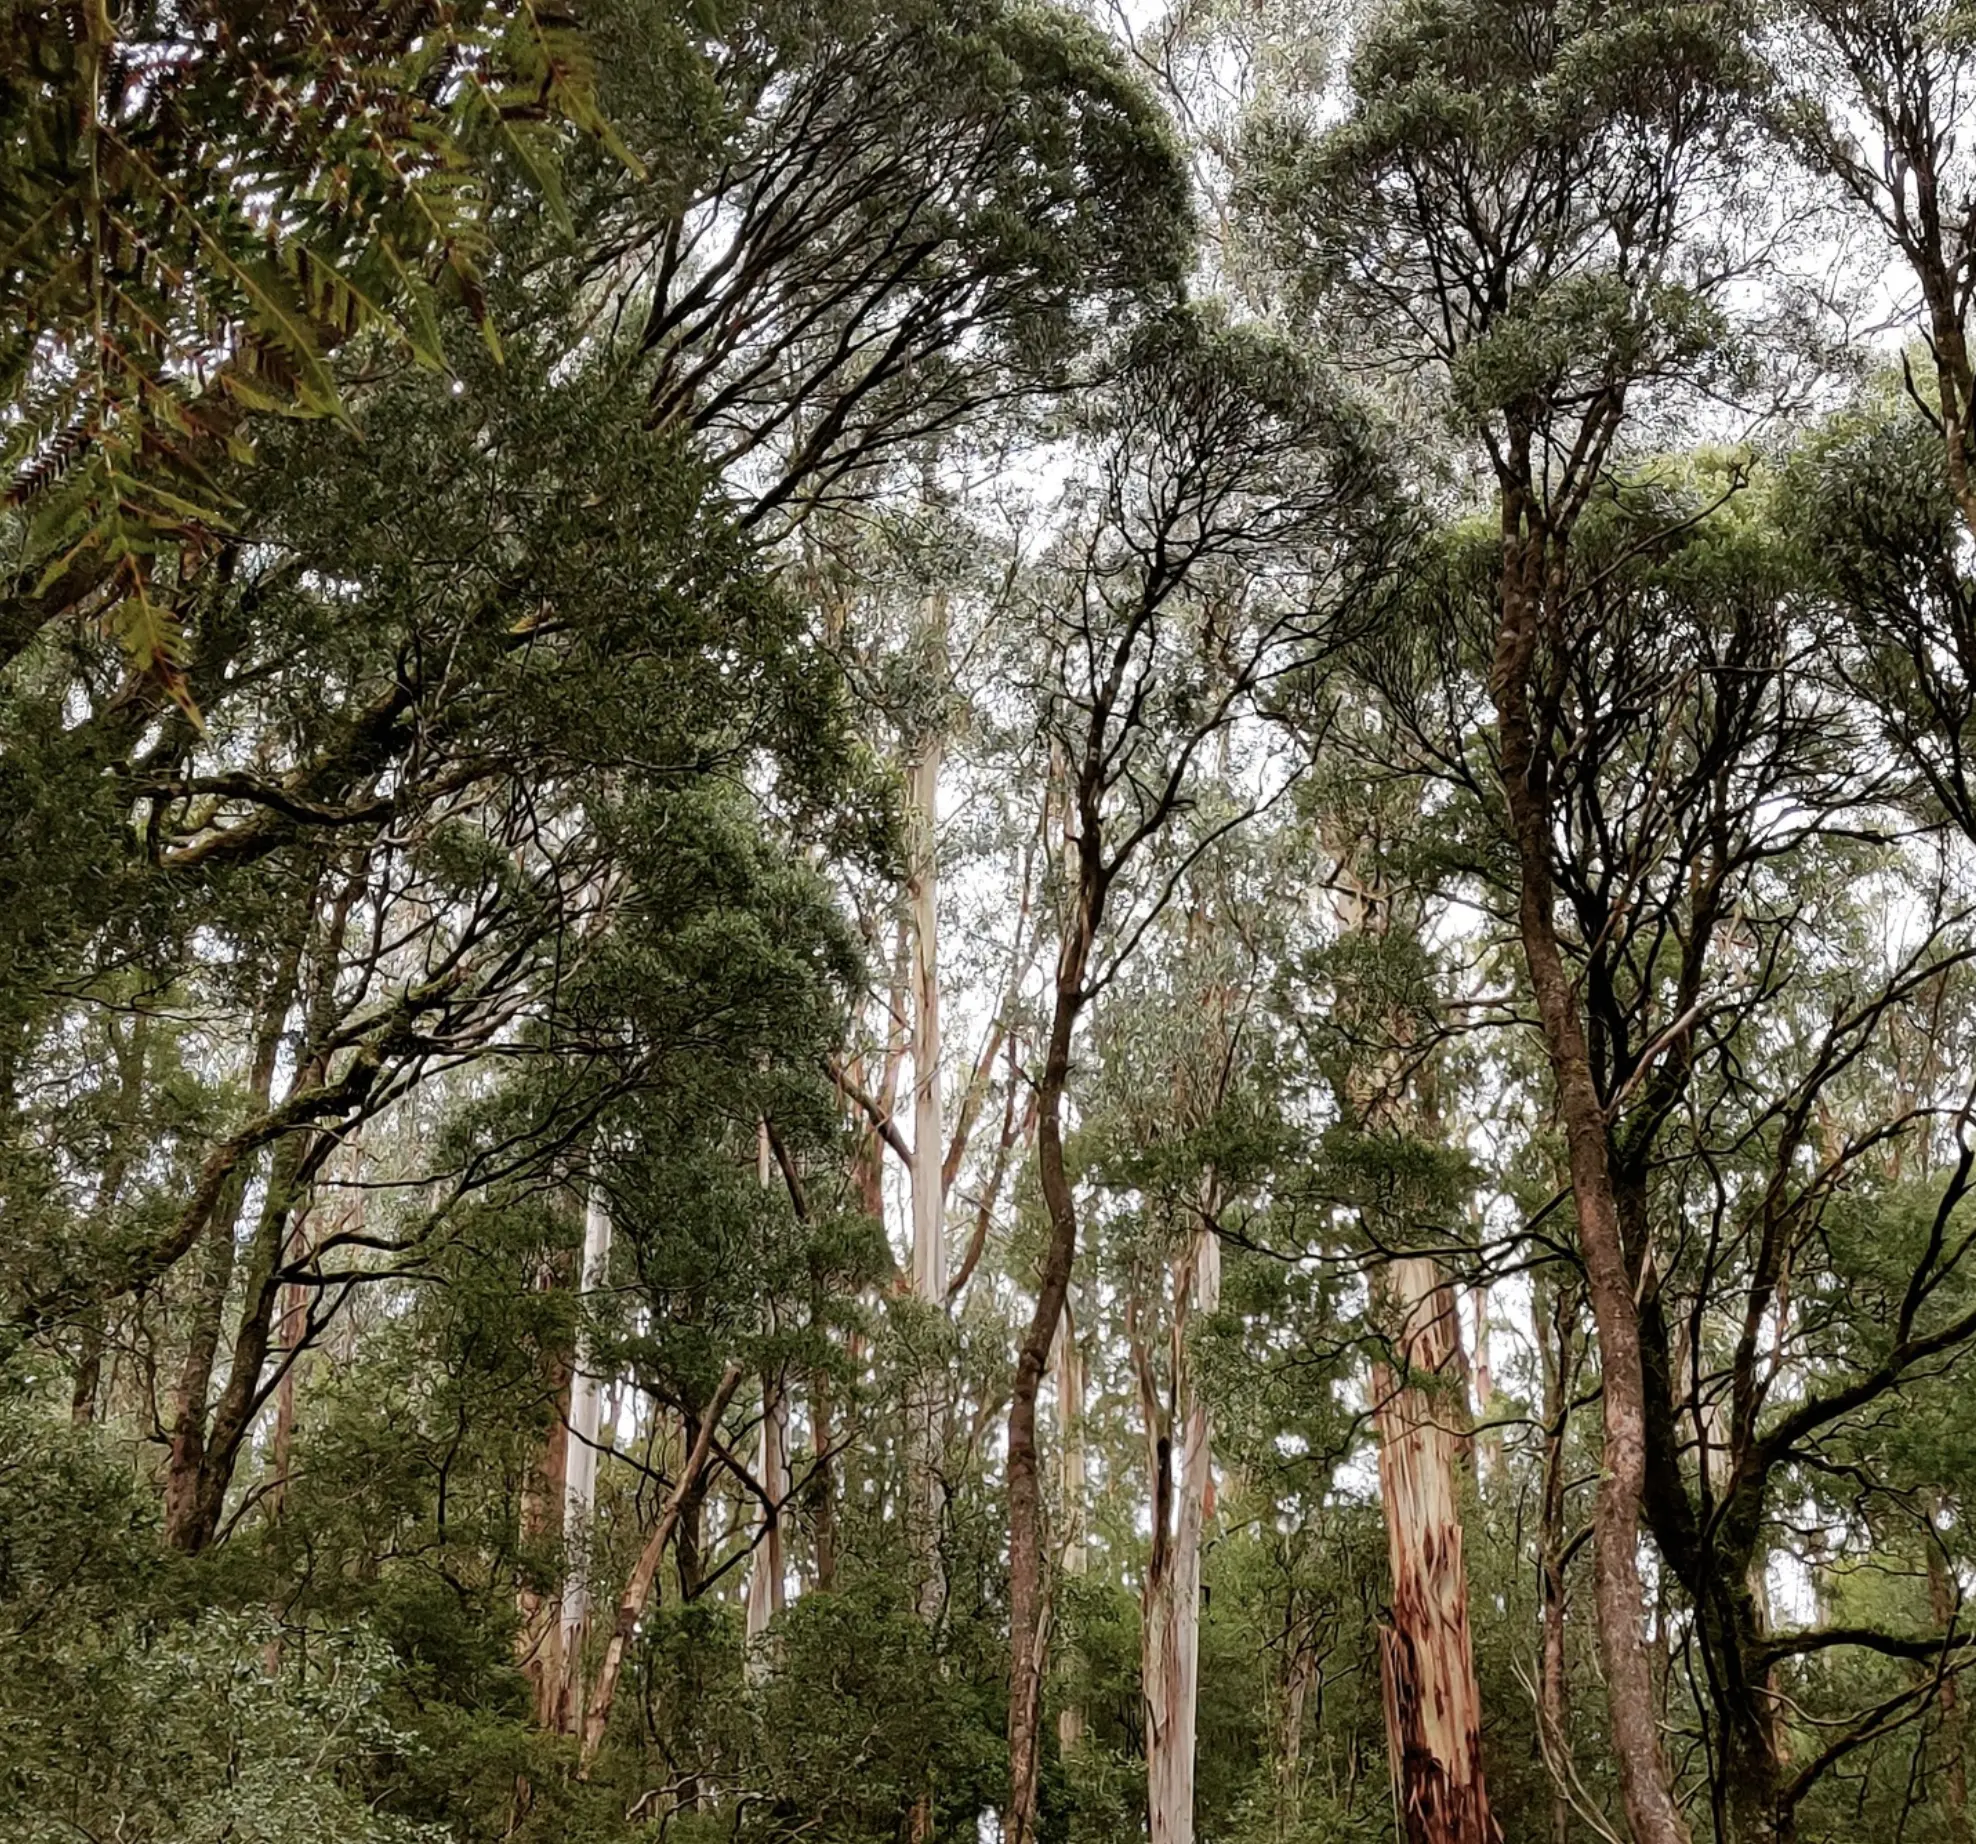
(199, 204)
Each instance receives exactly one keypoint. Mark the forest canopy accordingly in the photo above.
(987, 921)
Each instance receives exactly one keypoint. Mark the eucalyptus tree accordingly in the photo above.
(1236, 505)
(902, 215)
(528, 554)
(1517, 188)
(1162, 1129)
(904, 219)
(1875, 96)
(1380, 1047)
(1719, 786)
(405, 818)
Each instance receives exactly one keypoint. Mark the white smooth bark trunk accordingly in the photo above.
(766, 1570)
(766, 1576)
(1170, 1666)
(929, 1266)
(929, 1191)
(1070, 1413)
(585, 1415)
(580, 1471)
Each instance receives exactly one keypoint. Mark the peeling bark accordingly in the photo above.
(1427, 1661)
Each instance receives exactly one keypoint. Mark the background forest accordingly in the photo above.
(934, 920)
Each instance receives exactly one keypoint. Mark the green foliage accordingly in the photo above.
(551, 477)
(1503, 187)
(200, 204)
(188, 1733)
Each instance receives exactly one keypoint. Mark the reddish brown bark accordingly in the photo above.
(289, 1331)
(1529, 567)
(1427, 1660)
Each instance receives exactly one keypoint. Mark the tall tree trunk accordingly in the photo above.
(821, 1490)
(1299, 1667)
(1072, 1482)
(766, 1575)
(929, 1266)
(1527, 586)
(1433, 1707)
(544, 1487)
(185, 1464)
(187, 1468)
(291, 1170)
(580, 1474)
(1171, 1601)
(88, 1376)
(291, 1326)
(129, 1049)
(1427, 1660)
(924, 1408)
(1748, 1777)
(1028, 1588)
(868, 1161)
(1488, 1443)
(689, 1551)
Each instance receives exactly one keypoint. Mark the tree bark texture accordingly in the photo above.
(925, 1407)
(1071, 1486)
(1171, 1603)
(200, 1463)
(544, 1490)
(1560, 1350)
(1619, 1596)
(1427, 1660)
(580, 1476)
(766, 1581)
(1028, 1589)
